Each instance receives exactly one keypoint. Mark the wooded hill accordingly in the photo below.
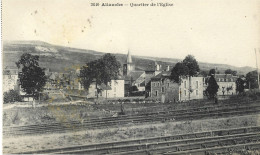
(61, 58)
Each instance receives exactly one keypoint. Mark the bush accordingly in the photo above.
(44, 97)
(12, 96)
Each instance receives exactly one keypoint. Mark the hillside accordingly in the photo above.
(60, 58)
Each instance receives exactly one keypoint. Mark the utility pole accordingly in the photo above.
(257, 70)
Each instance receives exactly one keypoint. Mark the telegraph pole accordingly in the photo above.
(257, 70)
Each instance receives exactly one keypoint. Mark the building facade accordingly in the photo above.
(114, 89)
(227, 84)
(166, 90)
(117, 89)
(10, 79)
(191, 88)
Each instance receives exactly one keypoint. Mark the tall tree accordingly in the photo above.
(204, 73)
(179, 70)
(229, 71)
(32, 77)
(212, 89)
(111, 68)
(240, 85)
(212, 72)
(193, 68)
(192, 64)
(188, 67)
(251, 80)
(100, 71)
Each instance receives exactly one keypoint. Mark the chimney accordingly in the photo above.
(168, 68)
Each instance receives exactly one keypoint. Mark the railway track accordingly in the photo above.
(206, 108)
(162, 107)
(217, 141)
(177, 115)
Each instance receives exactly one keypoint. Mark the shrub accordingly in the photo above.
(44, 97)
(12, 96)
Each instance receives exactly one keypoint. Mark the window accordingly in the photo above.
(168, 84)
(95, 93)
(158, 84)
(185, 84)
(162, 89)
(185, 92)
(153, 84)
(156, 93)
(197, 84)
(197, 92)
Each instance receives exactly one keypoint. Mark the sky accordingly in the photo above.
(215, 31)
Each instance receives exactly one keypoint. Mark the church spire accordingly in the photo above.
(129, 58)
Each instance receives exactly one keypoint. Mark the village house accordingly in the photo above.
(114, 89)
(10, 79)
(166, 90)
(192, 88)
(227, 84)
(138, 82)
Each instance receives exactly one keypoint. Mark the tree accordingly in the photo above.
(240, 85)
(179, 70)
(229, 71)
(111, 68)
(212, 72)
(193, 68)
(91, 73)
(251, 80)
(100, 71)
(204, 73)
(192, 65)
(32, 78)
(212, 89)
(188, 67)
(12, 96)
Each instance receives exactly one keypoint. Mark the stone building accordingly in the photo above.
(227, 84)
(10, 79)
(166, 90)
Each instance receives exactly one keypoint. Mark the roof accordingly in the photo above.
(133, 75)
(226, 77)
(104, 87)
(162, 75)
(148, 76)
(10, 72)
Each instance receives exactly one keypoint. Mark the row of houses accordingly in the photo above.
(189, 88)
(152, 83)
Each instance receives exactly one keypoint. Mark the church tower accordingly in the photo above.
(129, 65)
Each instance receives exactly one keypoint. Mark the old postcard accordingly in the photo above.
(130, 77)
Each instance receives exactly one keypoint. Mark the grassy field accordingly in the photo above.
(25, 114)
(29, 143)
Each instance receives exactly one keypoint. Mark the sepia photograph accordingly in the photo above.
(130, 77)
